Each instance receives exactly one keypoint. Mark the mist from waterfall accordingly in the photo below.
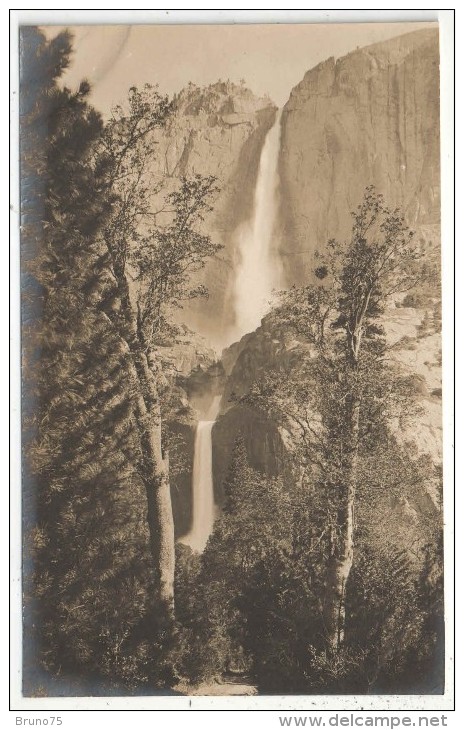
(204, 510)
(258, 271)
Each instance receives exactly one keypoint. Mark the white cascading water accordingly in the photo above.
(202, 482)
(258, 271)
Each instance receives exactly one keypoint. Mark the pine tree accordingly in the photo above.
(424, 327)
(93, 416)
(83, 502)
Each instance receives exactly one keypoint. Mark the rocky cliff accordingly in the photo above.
(371, 117)
(244, 362)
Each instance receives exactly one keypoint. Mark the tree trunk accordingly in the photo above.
(155, 465)
(160, 521)
(339, 567)
(342, 544)
(155, 470)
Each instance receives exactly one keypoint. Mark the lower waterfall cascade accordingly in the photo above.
(204, 509)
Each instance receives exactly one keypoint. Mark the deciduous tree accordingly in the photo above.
(346, 392)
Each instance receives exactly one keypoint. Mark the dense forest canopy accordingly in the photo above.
(324, 578)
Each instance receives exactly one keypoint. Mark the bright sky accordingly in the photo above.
(271, 58)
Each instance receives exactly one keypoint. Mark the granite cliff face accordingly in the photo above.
(371, 117)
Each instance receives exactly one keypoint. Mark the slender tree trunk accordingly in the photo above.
(155, 469)
(342, 544)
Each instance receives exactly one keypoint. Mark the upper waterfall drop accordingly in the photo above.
(258, 270)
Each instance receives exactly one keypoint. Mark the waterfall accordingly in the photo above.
(202, 482)
(257, 274)
(258, 271)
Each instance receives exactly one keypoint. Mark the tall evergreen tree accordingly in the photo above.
(84, 506)
(97, 489)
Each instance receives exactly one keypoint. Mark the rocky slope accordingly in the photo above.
(414, 342)
(371, 117)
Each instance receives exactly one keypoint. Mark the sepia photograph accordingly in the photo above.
(231, 360)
